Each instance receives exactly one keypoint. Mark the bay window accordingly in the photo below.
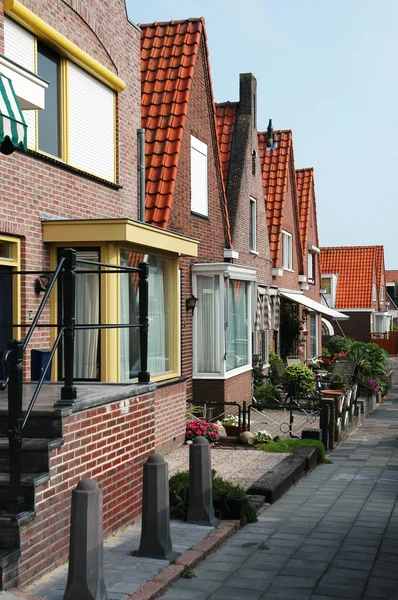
(222, 319)
(161, 305)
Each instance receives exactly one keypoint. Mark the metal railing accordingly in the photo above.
(13, 357)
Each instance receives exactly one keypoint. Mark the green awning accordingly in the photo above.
(13, 129)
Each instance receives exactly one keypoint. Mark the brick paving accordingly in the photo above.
(333, 536)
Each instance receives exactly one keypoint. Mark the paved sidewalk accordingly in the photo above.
(333, 536)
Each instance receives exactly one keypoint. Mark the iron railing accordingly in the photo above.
(13, 357)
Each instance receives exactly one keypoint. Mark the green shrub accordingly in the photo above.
(298, 381)
(225, 494)
(257, 373)
(274, 360)
(291, 444)
(267, 392)
(338, 344)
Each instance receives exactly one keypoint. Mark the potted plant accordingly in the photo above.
(231, 425)
(298, 381)
(202, 427)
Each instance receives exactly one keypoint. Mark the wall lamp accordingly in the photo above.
(41, 284)
(192, 303)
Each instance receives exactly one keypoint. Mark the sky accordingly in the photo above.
(327, 70)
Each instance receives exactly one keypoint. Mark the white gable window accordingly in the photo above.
(382, 293)
(287, 251)
(199, 197)
(253, 225)
(374, 292)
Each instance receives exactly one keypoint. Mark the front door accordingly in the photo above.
(5, 312)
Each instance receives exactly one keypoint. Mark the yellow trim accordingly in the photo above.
(15, 264)
(152, 239)
(115, 132)
(56, 40)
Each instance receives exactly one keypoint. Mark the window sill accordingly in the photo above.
(227, 375)
(65, 167)
(288, 270)
(254, 252)
(195, 214)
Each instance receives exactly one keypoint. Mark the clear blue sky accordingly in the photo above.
(328, 70)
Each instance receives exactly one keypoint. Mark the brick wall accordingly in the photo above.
(170, 415)
(29, 185)
(109, 444)
(235, 389)
(313, 292)
(243, 183)
(357, 326)
(211, 230)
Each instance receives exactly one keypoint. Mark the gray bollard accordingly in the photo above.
(86, 555)
(155, 532)
(200, 502)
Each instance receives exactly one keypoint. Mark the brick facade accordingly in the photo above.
(109, 443)
(31, 184)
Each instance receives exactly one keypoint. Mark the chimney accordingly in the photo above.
(248, 96)
(270, 136)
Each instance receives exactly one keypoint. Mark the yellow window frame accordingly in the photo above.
(15, 264)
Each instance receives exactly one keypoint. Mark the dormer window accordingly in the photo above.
(287, 251)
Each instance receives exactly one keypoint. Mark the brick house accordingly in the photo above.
(185, 193)
(241, 169)
(291, 220)
(354, 283)
(76, 186)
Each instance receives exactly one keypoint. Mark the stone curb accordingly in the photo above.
(287, 473)
(159, 583)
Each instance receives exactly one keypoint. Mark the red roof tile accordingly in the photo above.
(225, 123)
(391, 276)
(379, 257)
(355, 266)
(168, 57)
(275, 169)
(304, 186)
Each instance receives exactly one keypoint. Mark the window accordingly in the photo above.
(382, 293)
(313, 334)
(237, 334)
(327, 284)
(253, 225)
(199, 199)
(265, 347)
(78, 124)
(374, 292)
(161, 337)
(48, 128)
(287, 251)
(311, 258)
(222, 320)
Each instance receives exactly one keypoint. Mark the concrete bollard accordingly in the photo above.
(155, 532)
(200, 502)
(86, 555)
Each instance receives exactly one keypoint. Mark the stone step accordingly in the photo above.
(9, 528)
(44, 425)
(29, 482)
(35, 454)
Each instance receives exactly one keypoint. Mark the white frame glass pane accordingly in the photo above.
(199, 178)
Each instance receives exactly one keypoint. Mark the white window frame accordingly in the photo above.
(382, 294)
(224, 271)
(253, 225)
(199, 178)
(374, 292)
(311, 258)
(287, 251)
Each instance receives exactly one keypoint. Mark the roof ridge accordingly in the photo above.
(172, 22)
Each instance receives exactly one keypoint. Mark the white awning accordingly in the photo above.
(313, 305)
(13, 130)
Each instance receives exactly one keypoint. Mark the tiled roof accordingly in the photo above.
(355, 266)
(168, 57)
(275, 169)
(304, 183)
(225, 123)
(391, 276)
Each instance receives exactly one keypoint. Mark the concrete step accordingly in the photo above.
(29, 482)
(44, 425)
(35, 454)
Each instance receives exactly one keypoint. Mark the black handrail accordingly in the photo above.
(13, 356)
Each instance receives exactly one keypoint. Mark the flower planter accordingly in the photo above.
(379, 398)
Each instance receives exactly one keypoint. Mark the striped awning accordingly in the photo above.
(13, 129)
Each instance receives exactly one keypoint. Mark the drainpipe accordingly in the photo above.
(141, 146)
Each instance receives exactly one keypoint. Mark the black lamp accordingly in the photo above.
(192, 303)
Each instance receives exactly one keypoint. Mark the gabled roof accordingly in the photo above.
(304, 187)
(355, 266)
(226, 113)
(391, 276)
(169, 52)
(275, 169)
